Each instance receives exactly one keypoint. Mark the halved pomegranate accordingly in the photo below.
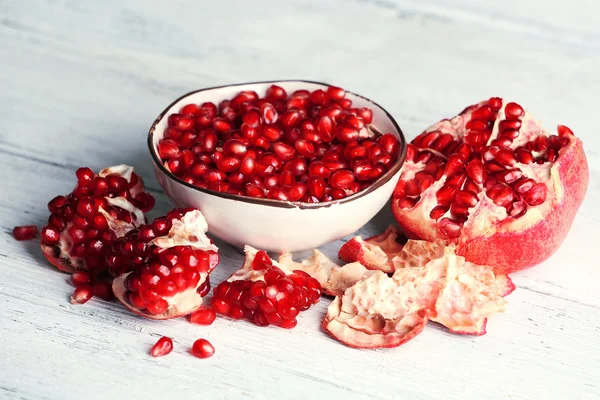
(265, 294)
(489, 179)
(84, 224)
(162, 268)
(375, 253)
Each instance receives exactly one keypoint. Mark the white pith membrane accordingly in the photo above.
(119, 227)
(485, 218)
(375, 253)
(430, 282)
(190, 230)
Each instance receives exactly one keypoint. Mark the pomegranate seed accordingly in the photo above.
(26, 232)
(336, 93)
(81, 278)
(81, 294)
(202, 348)
(449, 228)
(103, 290)
(506, 157)
(341, 179)
(501, 194)
(564, 131)
(204, 316)
(162, 347)
(513, 111)
(168, 149)
(536, 195)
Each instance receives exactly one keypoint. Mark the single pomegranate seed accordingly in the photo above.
(536, 195)
(81, 294)
(103, 290)
(501, 194)
(162, 347)
(342, 179)
(168, 149)
(449, 227)
(202, 348)
(336, 93)
(81, 278)
(513, 110)
(204, 316)
(26, 232)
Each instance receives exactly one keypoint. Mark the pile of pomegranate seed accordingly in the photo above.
(310, 146)
(83, 225)
(25, 232)
(276, 300)
(170, 256)
(502, 166)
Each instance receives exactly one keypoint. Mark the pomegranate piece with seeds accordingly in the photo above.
(26, 232)
(101, 208)
(162, 269)
(299, 147)
(375, 253)
(488, 179)
(162, 347)
(263, 293)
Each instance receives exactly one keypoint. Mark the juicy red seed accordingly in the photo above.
(437, 212)
(261, 261)
(513, 110)
(162, 347)
(84, 176)
(157, 308)
(501, 194)
(204, 316)
(449, 227)
(81, 294)
(57, 202)
(506, 157)
(336, 93)
(202, 348)
(103, 290)
(342, 179)
(536, 195)
(221, 306)
(87, 207)
(257, 290)
(80, 278)
(235, 148)
(288, 324)
(26, 232)
(168, 149)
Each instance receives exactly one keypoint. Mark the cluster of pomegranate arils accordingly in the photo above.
(474, 165)
(309, 146)
(276, 300)
(201, 348)
(101, 208)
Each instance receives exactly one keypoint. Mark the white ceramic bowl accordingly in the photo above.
(276, 225)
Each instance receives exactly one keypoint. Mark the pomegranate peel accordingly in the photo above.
(374, 313)
(162, 270)
(491, 177)
(374, 253)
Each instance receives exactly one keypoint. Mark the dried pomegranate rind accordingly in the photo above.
(374, 253)
(374, 313)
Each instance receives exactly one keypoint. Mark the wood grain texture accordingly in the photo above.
(81, 84)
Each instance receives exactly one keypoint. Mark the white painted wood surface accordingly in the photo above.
(81, 83)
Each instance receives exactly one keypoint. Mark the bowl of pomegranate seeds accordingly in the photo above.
(281, 166)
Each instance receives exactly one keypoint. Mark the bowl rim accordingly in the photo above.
(382, 180)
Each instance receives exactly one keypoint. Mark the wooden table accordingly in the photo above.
(81, 84)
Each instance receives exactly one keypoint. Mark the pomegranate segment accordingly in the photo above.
(162, 269)
(489, 178)
(374, 253)
(265, 294)
(269, 147)
(26, 232)
(84, 224)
